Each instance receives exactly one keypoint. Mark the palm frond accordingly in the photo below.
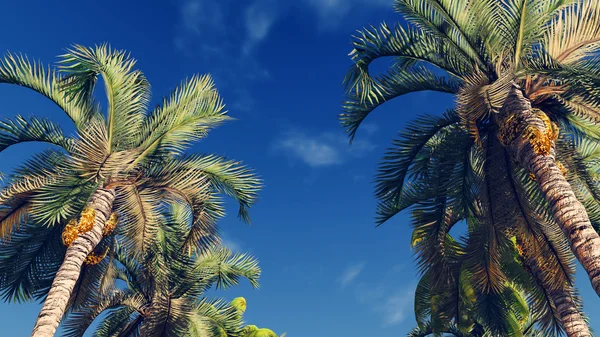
(454, 21)
(365, 93)
(192, 110)
(20, 130)
(19, 70)
(127, 90)
(574, 33)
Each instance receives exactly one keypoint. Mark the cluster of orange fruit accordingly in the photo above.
(86, 222)
(94, 259)
(542, 143)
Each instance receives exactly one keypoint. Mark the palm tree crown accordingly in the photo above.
(515, 158)
(163, 290)
(123, 163)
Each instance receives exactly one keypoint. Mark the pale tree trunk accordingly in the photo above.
(506, 207)
(568, 212)
(571, 318)
(562, 296)
(68, 273)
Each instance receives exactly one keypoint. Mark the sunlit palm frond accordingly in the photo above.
(19, 70)
(574, 33)
(127, 90)
(454, 21)
(192, 110)
(408, 46)
(20, 130)
(224, 268)
(139, 216)
(527, 21)
(228, 177)
(214, 318)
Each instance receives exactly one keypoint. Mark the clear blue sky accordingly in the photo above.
(327, 271)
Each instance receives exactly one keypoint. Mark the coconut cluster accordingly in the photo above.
(73, 229)
(110, 224)
(94, 259)
(86, 222)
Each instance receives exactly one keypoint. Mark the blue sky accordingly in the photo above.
(327, 271)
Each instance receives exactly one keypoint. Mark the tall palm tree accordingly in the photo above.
(126, 161)
(511, 239)
(164, 290)
(523, 72)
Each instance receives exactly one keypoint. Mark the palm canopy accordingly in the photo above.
(138, 152)
(451, 180)
(454, 168)
(162, 293)
(474, 50)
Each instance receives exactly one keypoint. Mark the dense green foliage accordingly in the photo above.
(451, 169)
(138, 152)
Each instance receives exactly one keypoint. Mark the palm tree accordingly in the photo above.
(511, 239)
(527, 329)
(164, 289)
(126, 161)
(523, 72)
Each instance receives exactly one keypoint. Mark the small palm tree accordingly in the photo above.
(164, 290)
(524, 74)
(119, 166)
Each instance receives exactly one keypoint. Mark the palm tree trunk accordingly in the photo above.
(506, 208)
(561, 296)
(571, 318)
(66, 277)
(568, 212)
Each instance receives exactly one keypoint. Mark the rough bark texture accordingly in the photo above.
(66, 277)
(568, 212)
(561, 295)
(512, 215)
(570, 317)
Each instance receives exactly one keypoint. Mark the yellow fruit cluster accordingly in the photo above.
(73, 229)
(542, 143)
(562, 168)
(111, 224)
(70, 233)
(94, 259)
(86, 221)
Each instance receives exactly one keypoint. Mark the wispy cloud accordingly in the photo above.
(319, 150)
(332, 12)
(351, 274)
(259, 18)
(230, 243)
(390, 301)
(397, 306)
(224, 35)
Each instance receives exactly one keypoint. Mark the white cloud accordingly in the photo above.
(231, 244)
(332, 12)
(392, 304)
(350, 274)
(259, 18)
(396, 308)
(312, 151)
(325, 149)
